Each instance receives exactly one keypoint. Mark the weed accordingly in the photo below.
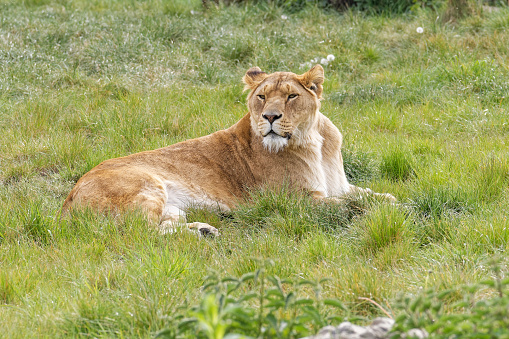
(470, 317)
(258, 305)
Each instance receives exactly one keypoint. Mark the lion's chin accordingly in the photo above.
(274, 143)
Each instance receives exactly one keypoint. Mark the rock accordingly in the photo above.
(416, 333)
(378, 329)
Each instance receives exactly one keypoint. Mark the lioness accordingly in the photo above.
(283, 138)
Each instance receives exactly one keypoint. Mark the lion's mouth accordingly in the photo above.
(273, 134)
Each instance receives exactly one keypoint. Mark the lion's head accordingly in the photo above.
(283, 105)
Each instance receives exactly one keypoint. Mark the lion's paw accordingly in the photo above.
(386, 196)
(203, 229)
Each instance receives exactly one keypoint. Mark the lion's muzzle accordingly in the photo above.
(271, 116)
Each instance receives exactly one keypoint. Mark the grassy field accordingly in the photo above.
(425, 116)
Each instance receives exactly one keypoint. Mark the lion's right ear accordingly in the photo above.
(313, 80)
(253, 77)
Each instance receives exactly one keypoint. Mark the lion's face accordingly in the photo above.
(283, 105)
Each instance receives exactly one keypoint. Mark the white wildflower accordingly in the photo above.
(420, 30)
(306, 65)
(284, 17)
(330, 57)
(324, 62)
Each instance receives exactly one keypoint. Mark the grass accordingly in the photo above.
(424, 117)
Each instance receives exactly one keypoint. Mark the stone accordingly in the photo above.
(378, 329)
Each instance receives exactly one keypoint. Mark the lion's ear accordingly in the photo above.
(313, 79)
(254, 76)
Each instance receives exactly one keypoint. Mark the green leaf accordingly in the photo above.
(444, 294)
(289, 298)
(489, 282)
(271, 320)
(207, 286)
(166, 333)
(274, 291)
(248, 296)
(236, 336)
(306, 282)
(324, 280)
(414, 304)
(275, 304)
(230, 279)
(247, 276)
(304, 302)
(462, 304)
(232, 287)
(187, 322)
(315, 315)
(335, 303)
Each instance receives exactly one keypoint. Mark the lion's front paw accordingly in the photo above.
(204, 229)
(386, 196)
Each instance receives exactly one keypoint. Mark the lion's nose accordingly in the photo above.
(271, 117)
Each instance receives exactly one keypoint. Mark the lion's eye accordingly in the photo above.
(262, 97)
(291, 96)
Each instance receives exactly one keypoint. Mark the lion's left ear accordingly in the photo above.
(313, 79)
(254, 76)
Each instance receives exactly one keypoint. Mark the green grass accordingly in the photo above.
(424, 117)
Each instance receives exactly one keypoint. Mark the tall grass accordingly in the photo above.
(424, 117)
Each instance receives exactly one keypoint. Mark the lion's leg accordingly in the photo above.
(355, 190)
(321, 196)
(163, 203)
(174, 219)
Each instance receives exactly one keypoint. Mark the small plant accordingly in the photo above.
(483, 312)
(258, 305)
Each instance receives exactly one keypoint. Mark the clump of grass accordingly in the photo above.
(436, 230)
(479, 77)
(492, 178)
(359, 166)
(15, 287)
(238, 51)
(168, 31)
(486, 233)
(115, 90)
(270, 201)
(382, 226)
(93, 317)
(396, 166)
(35, 224)
(294, 213)
(7, 289)
(458, 9)
(431, 200)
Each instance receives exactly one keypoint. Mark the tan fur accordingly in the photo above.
(301, 147)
